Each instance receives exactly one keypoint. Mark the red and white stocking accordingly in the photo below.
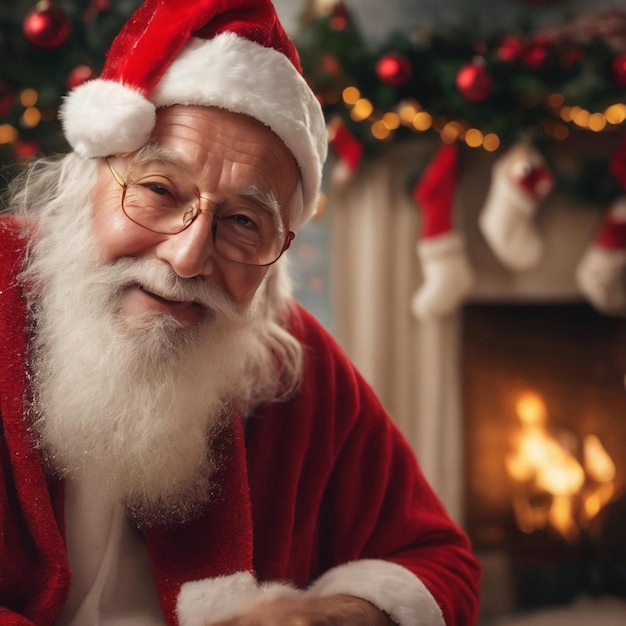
(601, 272)
(347, 148)
(447, 276)
(520, 182)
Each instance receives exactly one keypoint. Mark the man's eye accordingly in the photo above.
(157, 188)
(155, 192)
(245, 220)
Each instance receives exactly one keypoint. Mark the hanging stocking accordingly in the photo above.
(601, 272)
(520, 182)
(447, 276)
(346, 147)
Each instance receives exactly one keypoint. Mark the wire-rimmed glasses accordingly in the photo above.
(248, 232)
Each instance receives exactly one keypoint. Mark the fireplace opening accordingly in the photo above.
(544, 402)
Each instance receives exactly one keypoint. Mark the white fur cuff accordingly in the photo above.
(388, 586)
(202, 602)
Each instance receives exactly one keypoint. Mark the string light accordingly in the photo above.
(452, 131)
(580, 116)
(351, 95)
(409, 113)
(31, 117)
(597, 122)
(616, 113)
(407, 110)
(422, 121)
(613, 115)
(362, 109)
(474, 138)
(28, 97)
(491, 142)
(556, 100)
(380, 131)
(8, 134)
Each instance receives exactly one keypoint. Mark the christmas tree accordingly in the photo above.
(46, 48)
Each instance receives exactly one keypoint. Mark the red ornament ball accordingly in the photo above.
(571, 55)
(331, 65)
(510, 48)
(536, 56)
(619, 69)
(26, 148)
(46, 27)
(394, 69)
(339, 17)
(474, 82)
(79, 75)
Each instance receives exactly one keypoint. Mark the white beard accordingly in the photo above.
(138, 403)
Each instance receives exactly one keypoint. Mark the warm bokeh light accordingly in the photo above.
(616, 113)
(597, 122)
(391, 121)
(31, 117)
(556, 100)
(8, 134)
(474, 138)
(28, 97)
(491, 142)
(362, 110)
(422, 121)
(351, 95)
(380, 131)
(407, 110)
(451, 131)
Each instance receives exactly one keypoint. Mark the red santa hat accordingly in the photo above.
(231, 54)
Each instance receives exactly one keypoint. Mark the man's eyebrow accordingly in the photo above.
(265, 199)
(154, 153)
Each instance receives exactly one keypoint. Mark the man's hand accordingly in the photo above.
(303, 610)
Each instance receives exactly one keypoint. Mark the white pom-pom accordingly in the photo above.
(102, 117)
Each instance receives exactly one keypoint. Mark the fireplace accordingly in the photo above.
(545, 420)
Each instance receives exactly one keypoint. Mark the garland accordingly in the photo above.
(490, 94)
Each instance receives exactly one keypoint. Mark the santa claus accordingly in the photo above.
(181, 442)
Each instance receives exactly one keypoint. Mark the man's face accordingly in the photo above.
(224, 154)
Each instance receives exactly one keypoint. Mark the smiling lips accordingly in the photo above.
(137, 300)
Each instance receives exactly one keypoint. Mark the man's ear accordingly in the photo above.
(290, 237)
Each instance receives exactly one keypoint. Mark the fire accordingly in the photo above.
(598, 463)
(552, 486)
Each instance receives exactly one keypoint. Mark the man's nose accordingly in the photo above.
(191, 252)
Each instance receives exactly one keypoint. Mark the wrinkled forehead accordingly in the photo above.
(202, 131)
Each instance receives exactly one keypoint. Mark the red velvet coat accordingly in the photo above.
(321, 480)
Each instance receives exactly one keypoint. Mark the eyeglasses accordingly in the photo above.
(168, 204)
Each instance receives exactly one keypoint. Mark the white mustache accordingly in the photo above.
(160, 279)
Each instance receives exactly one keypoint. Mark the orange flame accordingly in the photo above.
(542, 464)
